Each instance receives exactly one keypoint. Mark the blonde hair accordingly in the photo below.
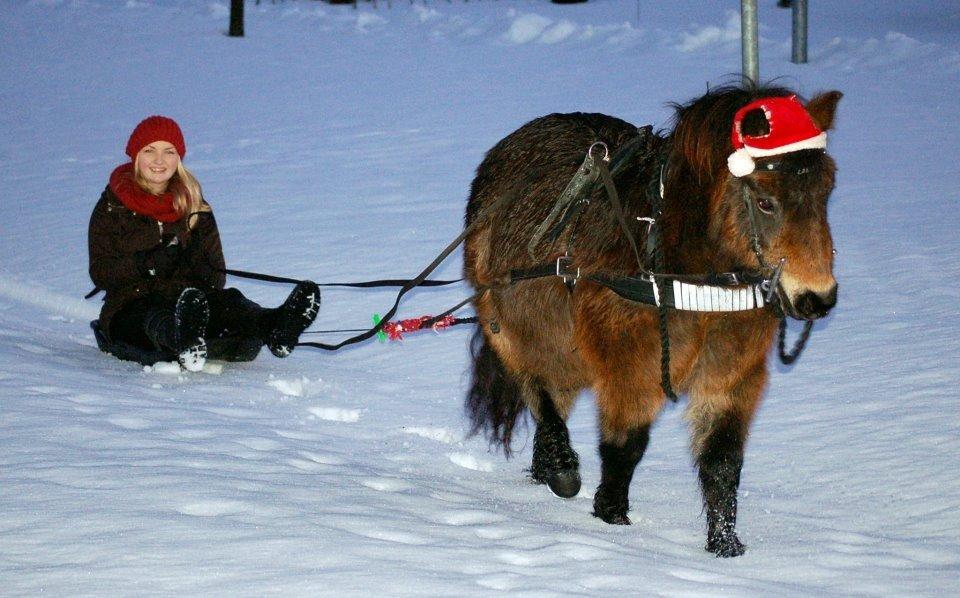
(187, 194)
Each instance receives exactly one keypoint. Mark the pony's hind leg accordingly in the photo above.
(618, 460)
(555, 463)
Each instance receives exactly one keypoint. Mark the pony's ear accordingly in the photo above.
(823, 107)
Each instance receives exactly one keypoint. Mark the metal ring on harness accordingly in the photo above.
(606, 150)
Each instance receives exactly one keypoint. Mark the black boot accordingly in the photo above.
(180, 331)
(286, 322)
(190, 317)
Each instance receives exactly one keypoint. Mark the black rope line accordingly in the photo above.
(611, 189)
(794, 354)
(446, 313)
(655, 245)
(420, 278)
(367, 284)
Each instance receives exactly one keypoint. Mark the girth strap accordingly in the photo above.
(685, 296)
(726, 292)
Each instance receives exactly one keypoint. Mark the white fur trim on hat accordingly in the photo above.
(817, 142)
(740, 163)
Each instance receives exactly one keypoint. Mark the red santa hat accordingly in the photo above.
(791, 129)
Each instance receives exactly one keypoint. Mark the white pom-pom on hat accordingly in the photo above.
(740, 163)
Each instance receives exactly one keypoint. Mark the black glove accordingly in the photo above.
(159, 262)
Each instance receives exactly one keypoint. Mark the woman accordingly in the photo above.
(155, 250)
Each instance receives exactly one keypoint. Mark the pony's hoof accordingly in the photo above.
(726, 546)
(612, 509)
(612, 513)
(613, 518)
(565, 483)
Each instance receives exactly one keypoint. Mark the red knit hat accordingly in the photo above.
(791, 129)
(156, 128)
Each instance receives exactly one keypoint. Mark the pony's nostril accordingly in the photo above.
(812, 305)
(830, 299)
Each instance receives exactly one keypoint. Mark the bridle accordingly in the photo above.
(770, 274)
(775, 293)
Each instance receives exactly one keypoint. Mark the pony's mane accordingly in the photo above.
(701, 134)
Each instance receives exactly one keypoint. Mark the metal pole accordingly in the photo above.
(749, 43)
(799, 32)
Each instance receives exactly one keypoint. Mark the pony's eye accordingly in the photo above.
(771, 166)
(765, 205)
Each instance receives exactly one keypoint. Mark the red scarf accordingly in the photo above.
(158, 207)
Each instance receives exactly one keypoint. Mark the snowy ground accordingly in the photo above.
(339, 144)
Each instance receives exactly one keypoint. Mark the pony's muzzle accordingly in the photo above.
(812, 306)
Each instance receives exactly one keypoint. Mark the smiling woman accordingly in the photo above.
(156, 165)
(155, 250)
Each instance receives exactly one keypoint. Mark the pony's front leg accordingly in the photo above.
(720, 461)
(721, 421)
(618, 460)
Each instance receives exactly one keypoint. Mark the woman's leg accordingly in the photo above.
(129, 324)
(174, 328)
(234, 315)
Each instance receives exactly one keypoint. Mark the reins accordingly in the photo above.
(405, 288)
(367, 284)
(381, 323)
(406, 285)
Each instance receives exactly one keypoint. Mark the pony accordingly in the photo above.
(541, 341)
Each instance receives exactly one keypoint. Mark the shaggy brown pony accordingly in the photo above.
(541, 342)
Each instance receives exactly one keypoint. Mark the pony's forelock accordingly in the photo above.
(701, 128)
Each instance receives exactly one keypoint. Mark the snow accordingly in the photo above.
(340, 143)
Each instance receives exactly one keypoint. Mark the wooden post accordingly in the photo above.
(236, 18)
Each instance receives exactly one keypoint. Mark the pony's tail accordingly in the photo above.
(494, 402)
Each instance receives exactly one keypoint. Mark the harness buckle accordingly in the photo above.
(651, 279)
(770, 286)
(650, 222)
(564, 264)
